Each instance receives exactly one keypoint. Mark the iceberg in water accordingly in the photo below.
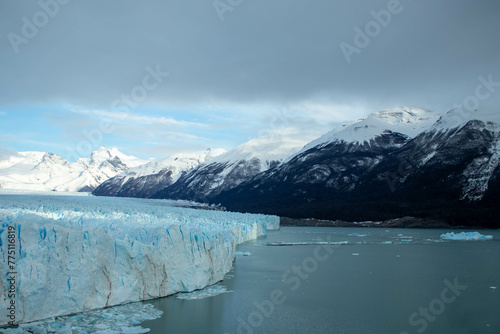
(243, 254)
(466, 236)
(74, 254)
(210, 291)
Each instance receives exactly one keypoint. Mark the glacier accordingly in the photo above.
(78, 253)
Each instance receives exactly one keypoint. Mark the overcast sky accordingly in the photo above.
(179, 75)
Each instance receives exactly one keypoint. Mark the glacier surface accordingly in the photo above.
(75, 254)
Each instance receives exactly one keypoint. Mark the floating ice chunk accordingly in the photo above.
(243, 254)
(119, 319)
(64, 330)
(18, 330)
(466, 236)
(135, 330)
(307, 243)
(208, 292)
(33, 328)
(434, 240)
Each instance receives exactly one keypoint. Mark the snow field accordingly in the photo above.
(80, 253)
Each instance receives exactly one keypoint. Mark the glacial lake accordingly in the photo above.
(349, 280)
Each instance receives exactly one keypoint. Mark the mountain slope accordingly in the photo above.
(442, 172)
(404, 120)
(232, 168)
(42, 171)
(338, 159)
(146, 180)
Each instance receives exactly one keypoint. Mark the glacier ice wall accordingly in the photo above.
(79, 253)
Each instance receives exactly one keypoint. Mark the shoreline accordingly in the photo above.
(404, 222)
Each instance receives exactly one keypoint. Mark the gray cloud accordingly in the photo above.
(275, 52)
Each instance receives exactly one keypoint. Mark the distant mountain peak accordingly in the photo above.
(147, 179)
(45, 171)
(404, 115)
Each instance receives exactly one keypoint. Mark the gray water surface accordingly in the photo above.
(299, 280)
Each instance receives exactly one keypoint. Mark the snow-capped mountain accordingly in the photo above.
(404, 121)
(146, 180)
(391, 164)
(42, 171)
(232, 168)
